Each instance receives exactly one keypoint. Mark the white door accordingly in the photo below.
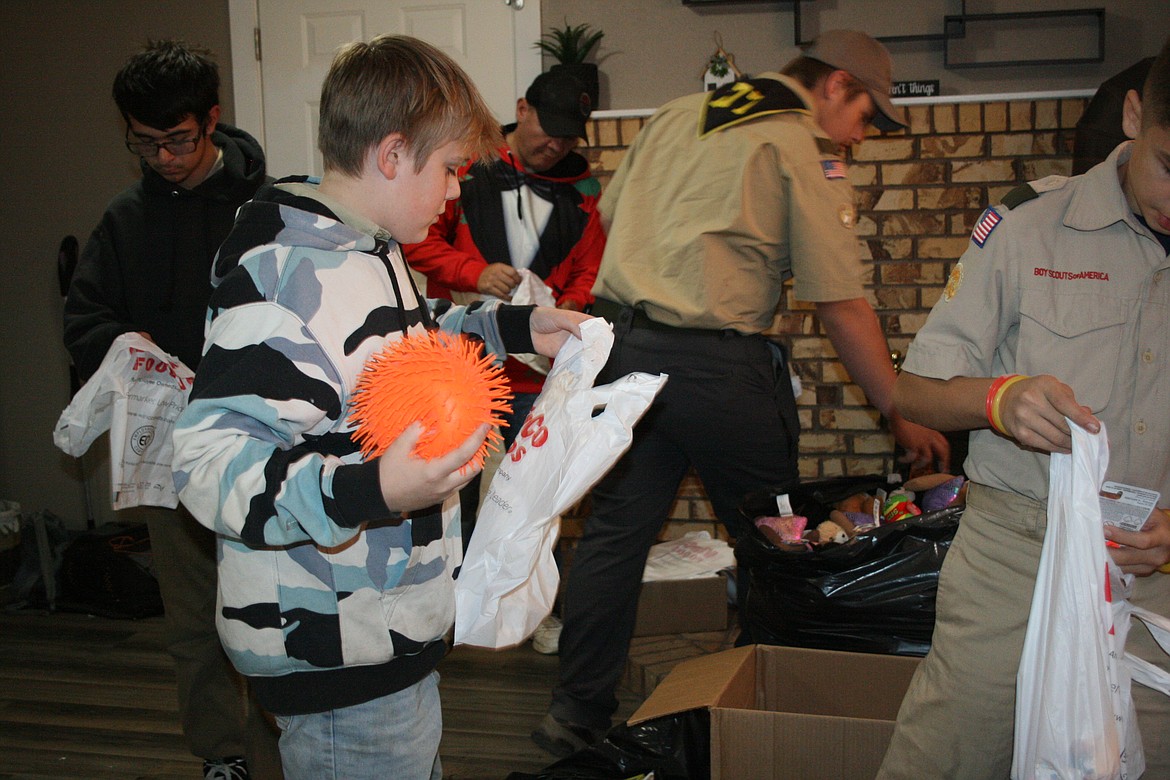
(491, 39)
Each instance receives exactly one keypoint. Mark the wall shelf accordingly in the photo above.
(962, 33)
(967, 26)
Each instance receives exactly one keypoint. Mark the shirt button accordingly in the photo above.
(1157, 277)
(1147, 356)
(1139, 428)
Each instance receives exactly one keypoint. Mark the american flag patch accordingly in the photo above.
(987, 222)
(834, 169)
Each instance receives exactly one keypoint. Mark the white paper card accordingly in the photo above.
(1126, 506)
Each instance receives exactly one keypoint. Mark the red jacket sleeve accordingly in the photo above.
(445, 267)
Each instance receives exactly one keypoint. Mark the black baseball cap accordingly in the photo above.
(562, 104)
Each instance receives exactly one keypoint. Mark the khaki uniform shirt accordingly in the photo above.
(1073, 285)
(704, 231)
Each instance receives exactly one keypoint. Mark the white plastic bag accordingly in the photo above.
(694, 554)
(136, 394)
(1140, 670)
(532, 291)
(573, 435)
(1075, 718)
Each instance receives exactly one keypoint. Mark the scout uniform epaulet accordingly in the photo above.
(747, 99)
(1026, 192)
(991, 217)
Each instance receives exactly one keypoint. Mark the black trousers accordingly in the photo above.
(728, 410)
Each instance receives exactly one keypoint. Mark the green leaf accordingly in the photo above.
(570, 44)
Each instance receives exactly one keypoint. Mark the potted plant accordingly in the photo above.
(570, 46)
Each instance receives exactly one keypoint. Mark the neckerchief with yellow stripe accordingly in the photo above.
(747, 99)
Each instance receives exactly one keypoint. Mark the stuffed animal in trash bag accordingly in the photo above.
(863, 511)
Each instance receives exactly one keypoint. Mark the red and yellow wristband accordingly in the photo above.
(995, 395)
(991, 406)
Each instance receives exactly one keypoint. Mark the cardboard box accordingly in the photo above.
(682, 606)
(787, 712)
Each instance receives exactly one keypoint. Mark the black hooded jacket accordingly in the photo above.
(147, 265)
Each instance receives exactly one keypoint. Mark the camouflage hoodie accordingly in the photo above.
(325, 599)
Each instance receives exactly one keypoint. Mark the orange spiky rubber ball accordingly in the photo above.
(438, 379)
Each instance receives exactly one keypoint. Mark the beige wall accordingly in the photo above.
(655, 50)
(61, 157)
(61, 160)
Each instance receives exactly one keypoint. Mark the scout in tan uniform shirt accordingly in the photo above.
(720, 199)
(760, 204)
(1067, 284)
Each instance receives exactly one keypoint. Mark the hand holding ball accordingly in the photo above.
(437, 379)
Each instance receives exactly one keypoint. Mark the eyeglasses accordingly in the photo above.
(176, 147)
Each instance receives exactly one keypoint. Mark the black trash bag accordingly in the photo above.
(108, 572)
(874, 594)
(673, 747)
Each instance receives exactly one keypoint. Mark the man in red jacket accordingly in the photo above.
(534, 208)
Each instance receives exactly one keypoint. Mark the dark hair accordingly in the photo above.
(810, 72)
(399, 84)
(1156, 92)
(165, 82)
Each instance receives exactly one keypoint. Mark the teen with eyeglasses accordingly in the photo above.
(146, 269)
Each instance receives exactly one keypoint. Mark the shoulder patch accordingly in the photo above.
(740, 101)
(954, 281)
(988, 221)
(848, 216)
(835, 168)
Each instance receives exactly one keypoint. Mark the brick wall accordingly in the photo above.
(919, 192)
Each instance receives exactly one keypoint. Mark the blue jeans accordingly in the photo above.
(394, 736)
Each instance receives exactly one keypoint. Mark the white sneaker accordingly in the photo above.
(546, 638)
(225, 769)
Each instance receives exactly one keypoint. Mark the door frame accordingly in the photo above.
(248, 87)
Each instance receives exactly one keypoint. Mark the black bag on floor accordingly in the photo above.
(107, 572)
(874, 594)
(673, 747)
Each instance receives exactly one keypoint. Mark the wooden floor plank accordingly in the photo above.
(111, 743)
(21, 689)
(71, 765)
(76, 716)
(94, 698)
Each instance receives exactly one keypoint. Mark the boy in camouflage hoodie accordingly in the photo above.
(336, 576)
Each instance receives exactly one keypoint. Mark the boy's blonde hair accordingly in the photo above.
(399, 84)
